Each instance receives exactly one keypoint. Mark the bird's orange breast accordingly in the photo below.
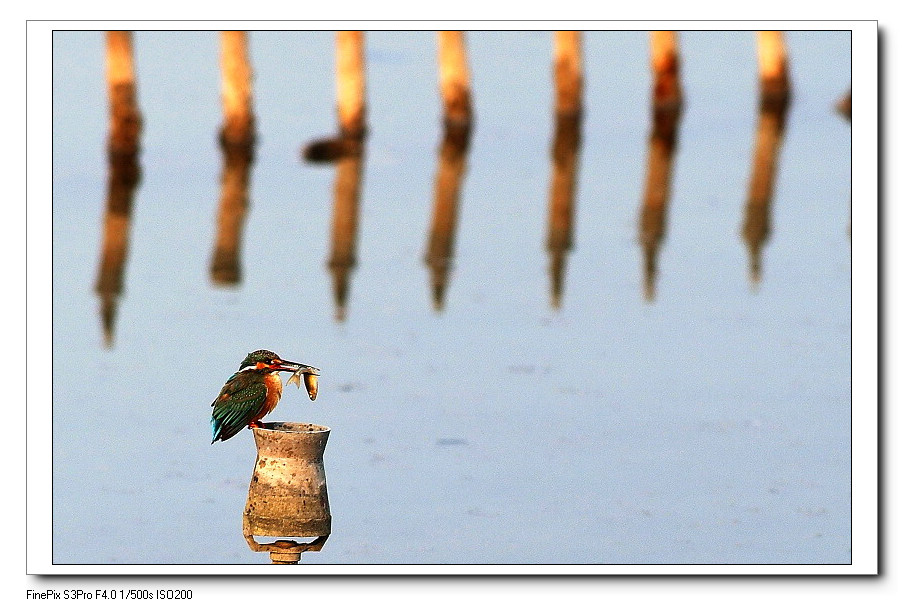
(274, 392)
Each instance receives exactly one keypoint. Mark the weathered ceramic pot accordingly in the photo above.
(287, 495)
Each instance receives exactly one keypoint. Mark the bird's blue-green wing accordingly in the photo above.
(236, 406)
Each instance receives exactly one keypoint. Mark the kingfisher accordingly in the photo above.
(253, 392)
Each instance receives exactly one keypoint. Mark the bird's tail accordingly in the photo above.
(215, 428)
(221, 430)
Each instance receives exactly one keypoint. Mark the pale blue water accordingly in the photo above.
(709, 426)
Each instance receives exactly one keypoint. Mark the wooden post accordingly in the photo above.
(775, 85)
(666, 75)
(568, 73)
(350, 83)
(124, 175)
(454, 78)
(125, 119)
(237, 142)
(238, 117)
(569, 85)
(667, 104)
(351, 106)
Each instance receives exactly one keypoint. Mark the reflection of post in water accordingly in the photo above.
(440, 246)
(225, 266)
(346, 196)
(351, 106)
(774, 98)
(347, 151)
(123, 175)
(667, 103)
(844, 108)
(455, 89)
(569, 89)
(237, 142)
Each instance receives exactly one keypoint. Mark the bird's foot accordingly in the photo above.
(255, 424)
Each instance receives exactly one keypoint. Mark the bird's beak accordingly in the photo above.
(292, 366)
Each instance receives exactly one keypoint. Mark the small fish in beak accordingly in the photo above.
(310, 379)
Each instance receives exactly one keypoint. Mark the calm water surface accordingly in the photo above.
(709, 424)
